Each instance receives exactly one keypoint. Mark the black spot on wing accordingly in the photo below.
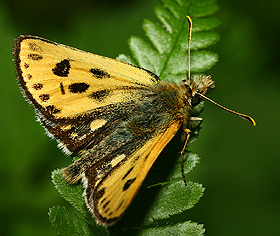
(99, 95)
(35, 57)
(100, 193)
(34, 47)
(38, 86)
(52, 109)
(103, 200)
(100, 74)
(44, 97)
(104, 206)
(62, 68)
(128, 184)
(127, 173)
(26, 65)
(62, 88)
(78, 87)
(29, 76)
(120, 205)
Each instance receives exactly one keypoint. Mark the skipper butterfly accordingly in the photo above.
(118, 117)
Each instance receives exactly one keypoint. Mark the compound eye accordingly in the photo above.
(195, 100)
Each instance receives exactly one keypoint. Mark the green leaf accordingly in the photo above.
(203, 8)
(191, 160)
(165, 54)
(203, 24)
(156, 34)
(145, 55)
(61, 218)
(126, 59)
(71, 193)
(67, 222)
(166, 18)
(187, 228)
(203, 60)
(174, 197)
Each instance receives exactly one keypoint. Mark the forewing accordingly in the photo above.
(64, 82)
(76, 94)
(109, 196)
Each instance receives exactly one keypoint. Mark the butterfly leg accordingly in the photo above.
(194, 122)
(188, 132)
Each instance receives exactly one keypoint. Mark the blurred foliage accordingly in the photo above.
(240, 163)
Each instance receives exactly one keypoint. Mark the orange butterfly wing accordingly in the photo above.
(111, 195)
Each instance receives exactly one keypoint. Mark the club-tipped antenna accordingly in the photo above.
(248, 118)
(189, 46)
(245, 117)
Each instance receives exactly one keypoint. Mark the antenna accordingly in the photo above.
(248, 118)
(189, 77)
(245, 117)
(189, 46)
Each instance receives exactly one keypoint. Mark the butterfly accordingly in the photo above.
(116, 116)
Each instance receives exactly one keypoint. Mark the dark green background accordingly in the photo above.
(240, 163)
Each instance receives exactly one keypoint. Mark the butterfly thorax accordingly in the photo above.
(186, 95)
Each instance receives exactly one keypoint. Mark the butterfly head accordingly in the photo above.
(195, 86)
